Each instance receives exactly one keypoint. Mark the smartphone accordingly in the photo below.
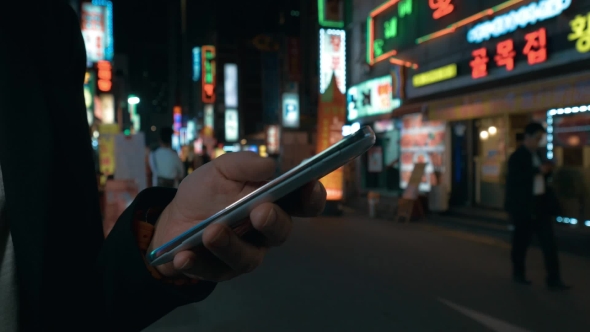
(313, 168)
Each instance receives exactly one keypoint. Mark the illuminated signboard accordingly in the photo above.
(290, 110)
(197, 64)
(517, 19)
(534, 49)
(435, 75)
(208, 121)
(177, 119)
(580, 32)
(372, 97)
(209, 77)
(273, 139)
(397, 25)
(331, 13)
(89, 87)
(94, 31)
(109, 51)
(231, 84)
(332, 58)
(105, 76)
(232, 133)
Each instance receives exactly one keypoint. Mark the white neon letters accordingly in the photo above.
(518, 18)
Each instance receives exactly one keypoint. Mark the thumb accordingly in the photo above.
(245, 167)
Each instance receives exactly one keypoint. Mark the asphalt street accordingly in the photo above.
(357, 274)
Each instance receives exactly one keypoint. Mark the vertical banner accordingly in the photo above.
(294, 59)
(270, 87)
(232, 133)
(331, 118)
(106, 143)
(89, 93)
(209, 74)
(230, 85)
(332, 58)
(197, 64)
(273, 139)
(93, 31)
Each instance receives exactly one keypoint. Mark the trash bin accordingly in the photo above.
(373, 198)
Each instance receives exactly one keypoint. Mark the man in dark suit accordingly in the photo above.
(58, 272)
(530, 205)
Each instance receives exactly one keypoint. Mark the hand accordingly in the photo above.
(228, 253)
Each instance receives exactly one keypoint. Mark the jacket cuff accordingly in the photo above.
(133, 296)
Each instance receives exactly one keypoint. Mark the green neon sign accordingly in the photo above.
(323, 20)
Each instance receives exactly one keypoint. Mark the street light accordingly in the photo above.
(133, 100)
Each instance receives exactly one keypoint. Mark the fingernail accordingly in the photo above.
(187, 265)
(221, 240)
(270, 218)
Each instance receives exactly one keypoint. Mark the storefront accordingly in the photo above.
(373, 103)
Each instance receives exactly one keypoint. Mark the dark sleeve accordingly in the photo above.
(521, 171)
(133, 298)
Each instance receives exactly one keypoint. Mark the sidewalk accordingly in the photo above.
(487, 226)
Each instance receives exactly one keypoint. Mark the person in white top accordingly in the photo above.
(530, 204)
(167, 168)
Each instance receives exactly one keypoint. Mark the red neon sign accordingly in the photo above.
(479, 64)
(105, 76)
(441, 8)
(536, 46)
(505, 54)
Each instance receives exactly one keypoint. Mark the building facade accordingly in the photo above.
(483, 70)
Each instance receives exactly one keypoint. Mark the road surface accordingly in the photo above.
(356, 274)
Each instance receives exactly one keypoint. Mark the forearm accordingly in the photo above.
(134, 299)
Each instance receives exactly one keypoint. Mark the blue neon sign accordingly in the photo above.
(196, 64)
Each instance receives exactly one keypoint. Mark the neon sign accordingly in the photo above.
(441, 8)
(332, 58)
(505, 54)
(435, 75)
(479, 64)
(330, 13)
(105, 76)
(581, 32)
(470, 19)
(197, 64)
(519, 18)
(208, 79)
(536, 46)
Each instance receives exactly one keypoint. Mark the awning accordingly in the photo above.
(571, 90)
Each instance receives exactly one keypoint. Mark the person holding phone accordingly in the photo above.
(530, 205)
(57, 271)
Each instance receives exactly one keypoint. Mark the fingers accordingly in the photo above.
(308, 201)
(245, 167)
(237, 254)
(272, 222)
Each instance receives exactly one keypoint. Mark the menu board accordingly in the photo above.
(422, 142)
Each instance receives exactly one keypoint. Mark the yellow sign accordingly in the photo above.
(106, 145)
(434, 76)
(580, 32)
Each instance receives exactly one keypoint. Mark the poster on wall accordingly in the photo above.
(375, 156)
(421, 142)
(331, 118)
(332, 58)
